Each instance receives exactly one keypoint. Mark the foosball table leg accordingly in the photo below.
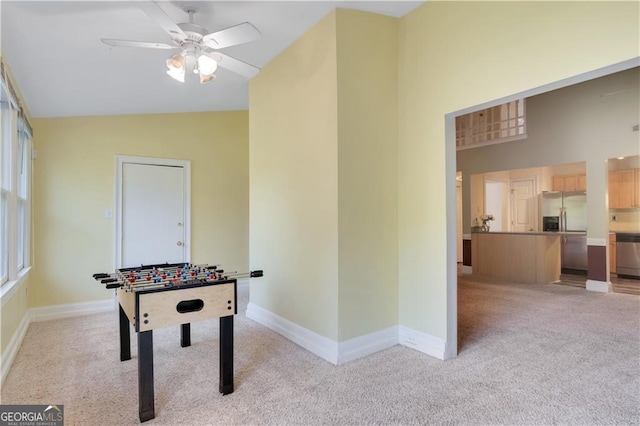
(125, 337)
(145, 376)
(226, 355)
(185, 335)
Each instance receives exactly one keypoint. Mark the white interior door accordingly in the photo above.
(495, 203)
(523, 214)
(153, 214)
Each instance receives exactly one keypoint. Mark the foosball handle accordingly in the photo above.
(114, 285)
(256, 274)
(100, 275)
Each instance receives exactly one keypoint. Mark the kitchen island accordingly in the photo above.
(523, 257)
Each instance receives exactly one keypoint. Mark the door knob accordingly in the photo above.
(179, 243)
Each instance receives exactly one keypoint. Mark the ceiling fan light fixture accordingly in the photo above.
(207, 65)
(176, 74)
(206, 78)
(176, 62)
(177, 67)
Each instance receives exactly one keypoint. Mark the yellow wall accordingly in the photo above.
(454, 55)
(294, 177)
(367, 172)
(74, 182)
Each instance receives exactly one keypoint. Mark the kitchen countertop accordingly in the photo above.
(550, 234)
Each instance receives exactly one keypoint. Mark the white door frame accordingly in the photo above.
(186, 165)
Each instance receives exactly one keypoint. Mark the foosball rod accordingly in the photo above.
(126, 282)
(103, 277)
(251, 274)
(165, 265)
(140, 284)
(173, 267)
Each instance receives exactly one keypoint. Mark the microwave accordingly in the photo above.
(551, 223)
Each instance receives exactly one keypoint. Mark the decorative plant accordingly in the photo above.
(486, 219)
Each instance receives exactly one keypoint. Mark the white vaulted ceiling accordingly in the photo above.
(63, 69)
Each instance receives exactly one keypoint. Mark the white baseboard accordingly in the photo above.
(423, 342)
(349, 350)
(367, 344)
(466, 269)
(47, 313)
(601, 286)
(323, 347)
(12, 348)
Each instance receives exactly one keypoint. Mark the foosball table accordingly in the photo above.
(155, 296)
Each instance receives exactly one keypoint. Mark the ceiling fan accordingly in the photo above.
(197, 46)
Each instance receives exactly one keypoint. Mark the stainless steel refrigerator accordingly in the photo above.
(567, 212)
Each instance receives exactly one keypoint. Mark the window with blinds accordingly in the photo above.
(502, 123)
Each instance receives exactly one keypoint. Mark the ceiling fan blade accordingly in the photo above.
(237, 66)
(238, 34)
(131, 43)
(156, 13)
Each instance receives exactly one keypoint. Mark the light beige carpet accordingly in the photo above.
(528, 355)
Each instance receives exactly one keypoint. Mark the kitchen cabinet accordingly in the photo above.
(612, 252)
(624, 189)
(582, 183)
(533, 257)
(569, 183)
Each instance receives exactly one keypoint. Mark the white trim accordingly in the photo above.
(349, 350)
(44, 314)
(600, 286)
(47, 313)
(319, 345)
(466, 269)
(466, 237)
(367, 344)
(423, 342)
(451, 203)
(186, 165)
(602, 242)
(10, 352)
(11, 288)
